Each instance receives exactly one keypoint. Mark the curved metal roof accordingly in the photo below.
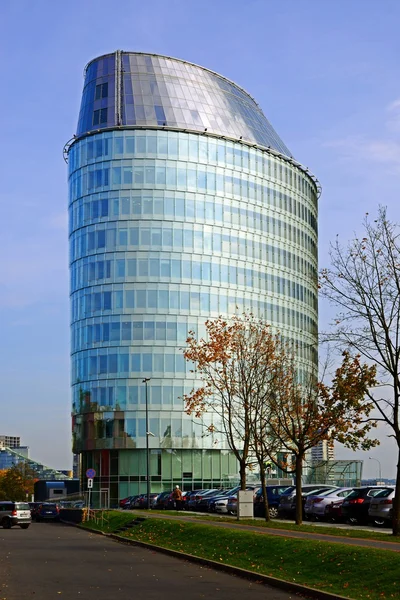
(139, 89)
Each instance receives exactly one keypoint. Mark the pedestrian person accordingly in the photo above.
(177, 496)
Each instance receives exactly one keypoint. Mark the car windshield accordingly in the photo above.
(22, 506)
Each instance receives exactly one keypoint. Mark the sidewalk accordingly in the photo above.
(380, 545)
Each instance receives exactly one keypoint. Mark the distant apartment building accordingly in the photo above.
(325, 450)
(10, 441)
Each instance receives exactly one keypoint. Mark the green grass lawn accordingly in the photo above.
(354, 572)
(287, 526)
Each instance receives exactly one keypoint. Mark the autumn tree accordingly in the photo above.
(363, 282)
(235, 366)
(17, 482)
(265, 446)
(303, 414)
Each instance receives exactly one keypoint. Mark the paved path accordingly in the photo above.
(394, 546)
(52, 560)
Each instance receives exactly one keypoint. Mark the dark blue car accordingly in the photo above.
(274, 493)
(48, 511)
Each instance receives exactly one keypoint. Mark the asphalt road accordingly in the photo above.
(52, 560)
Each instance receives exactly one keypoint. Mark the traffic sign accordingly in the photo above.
(90, 473)
(90, 483)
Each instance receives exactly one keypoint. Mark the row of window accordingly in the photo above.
(86, 303)
(104, 362)
(191, 147)
(117, 330)
(174, 176)
(167, 432)
(206, 272)
(180, 237)
(89, 270)
(181, 206)
(95, 363)
(126, 394)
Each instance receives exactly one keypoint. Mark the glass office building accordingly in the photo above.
(184, 204)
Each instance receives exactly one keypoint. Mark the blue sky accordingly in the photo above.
(326, 74)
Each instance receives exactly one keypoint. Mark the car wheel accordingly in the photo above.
(24, 526)
(7, 524)
(379, 522)
(273, 512)
(353, 521)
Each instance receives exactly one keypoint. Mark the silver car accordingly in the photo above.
(381, 507)
(317, 505)
(15, 513)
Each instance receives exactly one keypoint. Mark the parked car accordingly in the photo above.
(233, 500)
(134, 503)
(274, 493)
(125, 502)
(170, 503)
(33, 507)
(142, 500)
(159, 503)
(221, 504)
(192, 500)
(334, 511)
(15, 513)
(355, 507)
(316, 505)
(381, 507)
(47, 511)
(287, 503)
(211, 502)
(204, 499)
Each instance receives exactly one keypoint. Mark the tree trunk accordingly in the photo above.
(299, 499)
(396, 501)
(264, 491)
(242, 474)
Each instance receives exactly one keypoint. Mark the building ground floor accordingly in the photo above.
(122, 473)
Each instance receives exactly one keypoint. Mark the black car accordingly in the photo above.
(355, 506)
(34, 506)
(160, 502)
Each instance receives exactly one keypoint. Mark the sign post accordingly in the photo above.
(90, 474)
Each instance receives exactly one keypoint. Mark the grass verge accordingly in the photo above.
(354, 572)
(109, 521)
(307, 527)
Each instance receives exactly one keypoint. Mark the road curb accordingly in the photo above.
(286, 586)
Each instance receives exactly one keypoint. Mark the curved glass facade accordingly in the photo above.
(167, 229)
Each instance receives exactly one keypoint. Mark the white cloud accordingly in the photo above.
(386, 151)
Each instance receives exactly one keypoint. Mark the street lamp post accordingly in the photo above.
(380, 468)
(145, 381)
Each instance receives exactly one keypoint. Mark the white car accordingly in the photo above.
(316, 505)
(381, 507)
(221, 505)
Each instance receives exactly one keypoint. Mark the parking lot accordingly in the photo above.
(52, 560)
